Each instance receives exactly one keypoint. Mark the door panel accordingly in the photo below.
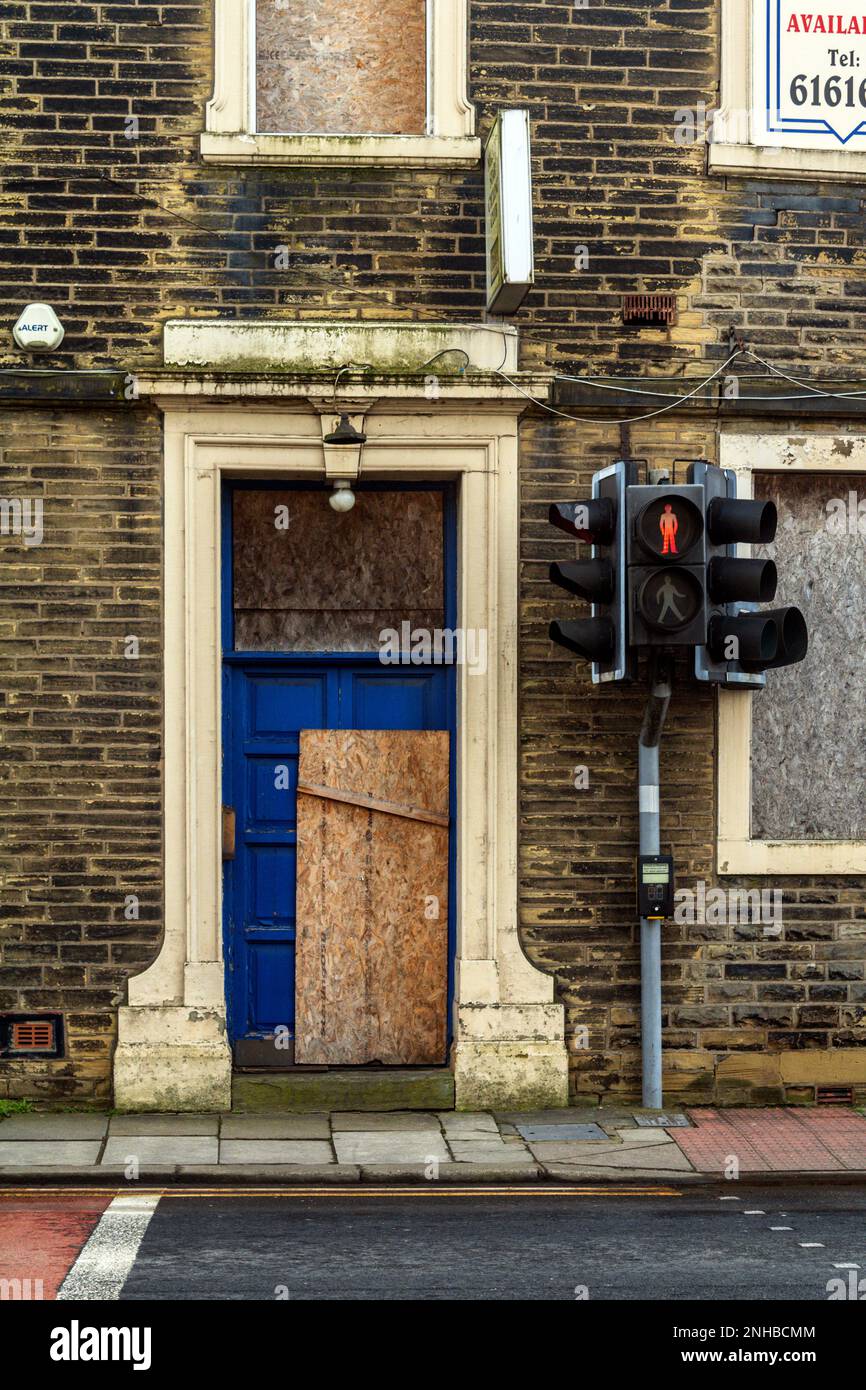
(391, 699)
(266, 711)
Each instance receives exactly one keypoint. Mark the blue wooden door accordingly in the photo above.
(268, 699)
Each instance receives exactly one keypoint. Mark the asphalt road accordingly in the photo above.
(760, 1244)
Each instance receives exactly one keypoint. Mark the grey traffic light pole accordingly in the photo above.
(651, 930)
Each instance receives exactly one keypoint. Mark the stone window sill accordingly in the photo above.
(343, 151)
(772, 162)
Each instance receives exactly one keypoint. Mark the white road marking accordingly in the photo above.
(106, 1261)
(811, 1245)
(754, 1211)
(781, 1228)
(846, 1266)
(729, 1199)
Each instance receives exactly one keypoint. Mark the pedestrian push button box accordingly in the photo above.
(655, 885)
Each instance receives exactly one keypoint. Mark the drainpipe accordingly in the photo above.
(651, 931)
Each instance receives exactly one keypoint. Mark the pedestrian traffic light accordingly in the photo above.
(600, 521)
(742, 641)
(665, 573)
(666, 569)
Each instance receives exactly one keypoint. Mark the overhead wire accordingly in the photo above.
(620, 420)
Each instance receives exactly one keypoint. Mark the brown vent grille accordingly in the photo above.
(33, 1035)
(649, 310)
(834, 1095)
(37, 1035)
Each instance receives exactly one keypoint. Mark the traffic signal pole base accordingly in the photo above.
(650, 928)
(651, 1012)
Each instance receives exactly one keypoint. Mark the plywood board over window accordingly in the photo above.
(354, 67)
(307, 578)
(808, 750)
(372, 897)
(790, 758)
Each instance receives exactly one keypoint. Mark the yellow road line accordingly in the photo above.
(299, 1191)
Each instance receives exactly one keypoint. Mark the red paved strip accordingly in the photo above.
(711, 1146)
(786, 1144)
(41, 1236)
(775, 1140)
(841, 1131)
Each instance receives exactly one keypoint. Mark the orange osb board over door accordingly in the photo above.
(372, 897)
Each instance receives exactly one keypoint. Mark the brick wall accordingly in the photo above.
(107, 212)
(81, 729)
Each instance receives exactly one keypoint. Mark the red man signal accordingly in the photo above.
(668, 525)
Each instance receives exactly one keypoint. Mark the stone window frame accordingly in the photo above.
(229, 136)
(731, 150)
(737, 851)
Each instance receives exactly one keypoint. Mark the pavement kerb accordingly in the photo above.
(484, 1173)
(341, 1174)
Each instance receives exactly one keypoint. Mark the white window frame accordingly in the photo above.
(230, 136)
(733, 146)
(737, 851)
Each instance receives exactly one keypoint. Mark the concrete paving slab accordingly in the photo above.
(465, 1124)
(663, 1160)
(471, 1151)
(422, 1147)
(645, 1136)
(163, 1125)
(276, 1151)
(631, 1154)
(48, 1154)
(512, 1118)
(549, 1150)
(275, 1127)
(53, 1127)
(383, 1121)
(162, 1148)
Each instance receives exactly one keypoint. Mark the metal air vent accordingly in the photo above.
(649, 310)
(31, 1035)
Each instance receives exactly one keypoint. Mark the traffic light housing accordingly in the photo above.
(665, 572)
(602, 638)
(666, 567)
(742, 641)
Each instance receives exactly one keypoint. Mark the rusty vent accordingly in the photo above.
(35, 1035)
(834, 1095)
(649, 310)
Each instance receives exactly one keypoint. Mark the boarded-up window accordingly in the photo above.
(808, 744)
(307, 578)
(336, 67)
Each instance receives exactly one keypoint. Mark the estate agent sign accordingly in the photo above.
(809, 73)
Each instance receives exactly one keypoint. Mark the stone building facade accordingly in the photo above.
(227, 291)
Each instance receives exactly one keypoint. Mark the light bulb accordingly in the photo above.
(342, 499)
